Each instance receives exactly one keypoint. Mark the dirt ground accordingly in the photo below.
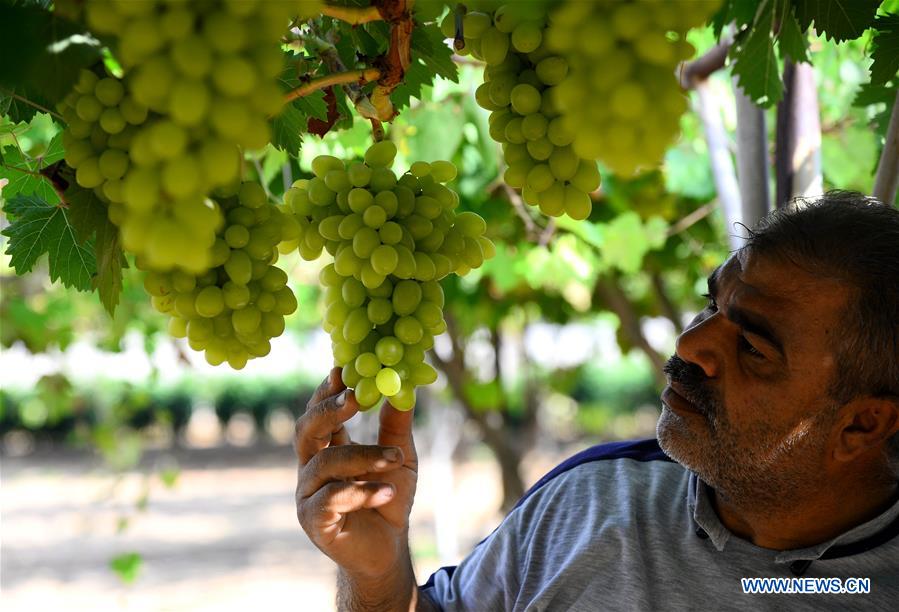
(224, 538)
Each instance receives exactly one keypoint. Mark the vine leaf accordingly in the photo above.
(791, 39)
(40, 227)
(837, 20)
(91, 225)
(287, 130)
(755, 62)
(42, 55)
(23, 172)
(740, 12)
(886, 49)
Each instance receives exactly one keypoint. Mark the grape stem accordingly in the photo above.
(353, 15)
(459, 39)
(377, 130)
(360, 77)
(327, 52)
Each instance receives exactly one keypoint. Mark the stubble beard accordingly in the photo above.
(759, 465)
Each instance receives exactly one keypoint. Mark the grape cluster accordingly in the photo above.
(621, 101)
(200, 82)
(392, 240)
(519, 87)
(232, 310)
(117, 150)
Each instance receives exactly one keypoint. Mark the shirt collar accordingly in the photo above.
(700, 504)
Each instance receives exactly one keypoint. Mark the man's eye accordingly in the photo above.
(712, 305)
(746, 347)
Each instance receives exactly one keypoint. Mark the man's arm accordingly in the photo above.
(395, 593)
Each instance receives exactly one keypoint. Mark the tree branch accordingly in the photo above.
(692, 219)
(353, 15)
(669, 308)
(394, 63)
(887, 178)
(702, 67)
(360, 77)
(609, 293)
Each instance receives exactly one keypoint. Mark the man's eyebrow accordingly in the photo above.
(750, 321)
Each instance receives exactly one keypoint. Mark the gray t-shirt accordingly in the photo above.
(622, 527)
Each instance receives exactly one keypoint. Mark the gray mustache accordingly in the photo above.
(694, 384)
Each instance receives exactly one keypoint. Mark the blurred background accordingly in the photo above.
(137, 477)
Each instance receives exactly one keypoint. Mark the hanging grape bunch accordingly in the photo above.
(235, 308)
(520, 81)
(621, 101)
(200, 83)
(392, 240)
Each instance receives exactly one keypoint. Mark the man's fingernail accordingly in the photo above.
(341, 399)
(391, 454)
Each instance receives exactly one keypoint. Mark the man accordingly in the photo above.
(777, 457)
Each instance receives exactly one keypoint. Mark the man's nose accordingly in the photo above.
(701, 344)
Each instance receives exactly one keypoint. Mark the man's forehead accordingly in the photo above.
(774, 278)
(781, 290)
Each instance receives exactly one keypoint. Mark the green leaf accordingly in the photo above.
(15, 108)
(313, 105)
(169, 476)
(287, 130)
(110, 259)
(127, 566)
(837, 20)
(626, 241)
(791, 39)
(428, 139)
(885, 47)
(23, 174)
(42, 54)
(427, 42)
(88, 216)
(740, 12)
(417, 76)
(41, 228)
(755, 63)
(86, 211)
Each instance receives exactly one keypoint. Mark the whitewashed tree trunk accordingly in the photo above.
(887, 178)
(752, 158)
(709, 110)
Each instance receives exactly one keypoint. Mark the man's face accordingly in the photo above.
(747, 407)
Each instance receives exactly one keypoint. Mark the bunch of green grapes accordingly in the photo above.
(200, 82)
(392, 238)
(235, 308)
(519, 87)
(137, 165)
(622, 102)
(209, 66)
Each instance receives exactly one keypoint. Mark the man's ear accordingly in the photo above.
(866, 423)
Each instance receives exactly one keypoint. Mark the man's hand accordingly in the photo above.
(354, 500)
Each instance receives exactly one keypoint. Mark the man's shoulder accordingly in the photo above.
(631, 464)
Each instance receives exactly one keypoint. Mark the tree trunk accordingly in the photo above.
(709, 110)
(609, 293)
(752, 158)
(797, 154)
(887, 178)
(498, 437)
